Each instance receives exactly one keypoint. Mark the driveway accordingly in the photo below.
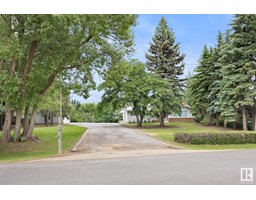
(102, 137)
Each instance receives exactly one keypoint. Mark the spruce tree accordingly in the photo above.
(240, 76)
(199, 86)
(216, 77)
(227, 96)
(245, 44)
(164, 58)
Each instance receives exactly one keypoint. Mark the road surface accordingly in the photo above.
(222, 167)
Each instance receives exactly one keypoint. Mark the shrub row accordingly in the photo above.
(215, 138)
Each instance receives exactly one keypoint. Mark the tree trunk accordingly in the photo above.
(217, 119)
(138, 121)
(244, 118)
(17, 126)
(254, 116)
(210, 119)
(8, 112)
(31, 124)
(141, 120)
(1, 122)
(253, 121)
(26, 121)
(234, 125)
(46, 118)
(51, 118)
(7, 125)
(162, 116)
(225, 124)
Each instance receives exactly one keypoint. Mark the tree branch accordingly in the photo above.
(29, 61)
(49, 82)
(86, 41)
(4, 18)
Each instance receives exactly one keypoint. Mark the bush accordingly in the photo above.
(215, 138)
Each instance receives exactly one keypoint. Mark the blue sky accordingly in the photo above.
(192, 31)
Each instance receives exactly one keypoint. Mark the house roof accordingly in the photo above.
(186, 105)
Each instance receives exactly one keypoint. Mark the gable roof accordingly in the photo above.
(184, 104)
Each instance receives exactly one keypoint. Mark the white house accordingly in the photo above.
(185, 113)
(127, 116)
(40, 119)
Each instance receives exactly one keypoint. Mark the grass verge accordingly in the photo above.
(47, 147)
(166, 134)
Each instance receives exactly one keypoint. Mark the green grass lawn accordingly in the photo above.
(47, 147)
(166, 134)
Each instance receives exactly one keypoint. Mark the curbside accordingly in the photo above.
(75, 147)
(158, 141)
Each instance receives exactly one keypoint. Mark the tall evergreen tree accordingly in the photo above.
(216, 77)
(164, 58)
(199, 86)
(244, 43)
(240, 76)
(227, 97)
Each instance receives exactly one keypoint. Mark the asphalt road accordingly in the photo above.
(222, 167)
(102, 137)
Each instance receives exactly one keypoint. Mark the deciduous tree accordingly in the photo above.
(35, 49)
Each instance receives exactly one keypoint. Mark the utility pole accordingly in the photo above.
(60, 126)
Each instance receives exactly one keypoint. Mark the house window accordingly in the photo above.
(184, 114)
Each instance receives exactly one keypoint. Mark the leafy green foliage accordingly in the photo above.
(92, 112)
(104, 113)
(36, 49)
(128, 84)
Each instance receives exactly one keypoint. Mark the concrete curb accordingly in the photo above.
(158, 141)
(75, 147)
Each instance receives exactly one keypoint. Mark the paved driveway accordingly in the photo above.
(103, 137)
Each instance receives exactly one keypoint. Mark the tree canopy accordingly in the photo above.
(36, 49)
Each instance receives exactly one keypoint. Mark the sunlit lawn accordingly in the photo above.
(166, 134)
(47, 147)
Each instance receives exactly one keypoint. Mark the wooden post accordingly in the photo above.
(59, 139)
(60, 127)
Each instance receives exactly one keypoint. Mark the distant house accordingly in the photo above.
(186, 114)
(126, 115)
(40, 119)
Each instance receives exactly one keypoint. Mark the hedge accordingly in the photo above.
(215, 138)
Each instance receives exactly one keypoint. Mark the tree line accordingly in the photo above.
(223, 88)
(92, 112)
(37, 51)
